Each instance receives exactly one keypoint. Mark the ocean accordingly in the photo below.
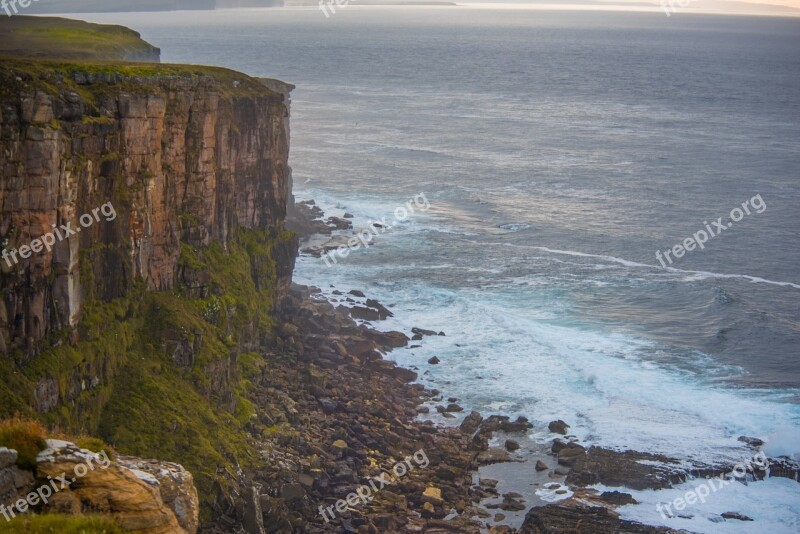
(558, 153)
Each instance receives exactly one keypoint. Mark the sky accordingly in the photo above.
(765, 7)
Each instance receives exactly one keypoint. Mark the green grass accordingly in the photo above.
(24, 436)
(149, 405)
(54, 76)
(52, 37)
(60, 524)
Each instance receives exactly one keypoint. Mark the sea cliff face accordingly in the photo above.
(183, 159)
(142, 325)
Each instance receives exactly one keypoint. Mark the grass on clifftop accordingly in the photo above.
(61, 524)
(55, 76)
(53, 37)
(24, 436)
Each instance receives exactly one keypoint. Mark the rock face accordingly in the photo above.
(178, 156)
(175, 485)
(575, 517)
(14, 482)
(147, 497)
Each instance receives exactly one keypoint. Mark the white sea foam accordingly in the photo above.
(771, 503)
(694, 275)
(605, 385)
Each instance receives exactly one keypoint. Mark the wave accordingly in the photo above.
(696, 275)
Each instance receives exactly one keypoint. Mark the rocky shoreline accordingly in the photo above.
(354, 415)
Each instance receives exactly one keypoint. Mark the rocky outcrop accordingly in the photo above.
(14, 482)
(146, 497)
(175, 486)
(177, 155)
(577, 517)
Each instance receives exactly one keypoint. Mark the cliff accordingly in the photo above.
(183, 156)
(51, 37)
(137, 322)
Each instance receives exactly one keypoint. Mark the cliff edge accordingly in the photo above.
(143, 255)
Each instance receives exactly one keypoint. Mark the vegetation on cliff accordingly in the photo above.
(51, 37)
(61, 524)
(151, 344)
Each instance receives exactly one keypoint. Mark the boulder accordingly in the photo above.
(131, 497)
(471, 423)
(558, 427)
(433, 496)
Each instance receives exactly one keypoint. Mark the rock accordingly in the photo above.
(735, 515)
(511, 445)
(574, 516)
(495, 455)
(558, 427)
(388, 340)
(383, 312)
(471, 423)
(629, 469)
(570, 455)
(339, 224)
(520, 425)
(405, 375)
(752, 442)
(339, 448)
(253, 518)
(618, 498)
(8, 457)
(385, 522)
(131, 497)
(366, 314)
(513, 502)
(541, 466)
(292, 492)
(433, 496)
(488, 482)
(428, 510)
(453, 407)
(421, 332)
(14, 482)
(176, 485)
(357, 293)
(434, 361)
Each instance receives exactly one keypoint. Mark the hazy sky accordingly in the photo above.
(775, 7)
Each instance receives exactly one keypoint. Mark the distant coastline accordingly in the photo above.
(115, 6)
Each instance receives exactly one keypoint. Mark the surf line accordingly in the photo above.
(628, 263)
